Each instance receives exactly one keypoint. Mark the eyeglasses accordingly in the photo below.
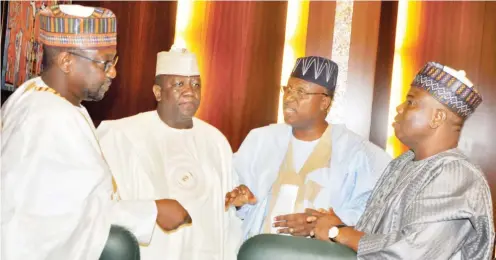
(107, 64)
(299, 92)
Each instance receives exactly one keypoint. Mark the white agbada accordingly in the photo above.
(56, 186)
(193, 166)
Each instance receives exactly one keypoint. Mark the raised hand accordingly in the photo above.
(239, 196)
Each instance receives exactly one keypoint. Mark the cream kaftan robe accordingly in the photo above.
(193, 166)
(56, 186)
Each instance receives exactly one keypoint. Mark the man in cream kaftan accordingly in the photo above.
(192, 165)
(288, 168)
(56, 186)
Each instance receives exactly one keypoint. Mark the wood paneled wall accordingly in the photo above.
(144, 29)
(383, 73)
(320, 28)
(362, 65)
(241, 48)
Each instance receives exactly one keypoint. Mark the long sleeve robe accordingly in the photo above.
(436, 208)
(56, 186)
(346, 184)
(193, 166)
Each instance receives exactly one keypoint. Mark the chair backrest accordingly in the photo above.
(121, 245)
(271, 246)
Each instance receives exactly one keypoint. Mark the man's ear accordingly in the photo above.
(157, 91)
(65, 61)
(326, 103)
(438, 118)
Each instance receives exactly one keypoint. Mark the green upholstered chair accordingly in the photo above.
(271, 246)
(121, 245)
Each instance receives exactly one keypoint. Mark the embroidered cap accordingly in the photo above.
(318, 70)
(177, 61)
(449, 87)
(77, 26)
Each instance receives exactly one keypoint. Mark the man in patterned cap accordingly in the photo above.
(169, 153)
(59, 201)
(431, 202)
(288, 170)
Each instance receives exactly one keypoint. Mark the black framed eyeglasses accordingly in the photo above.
(107, 64)
(299, 92)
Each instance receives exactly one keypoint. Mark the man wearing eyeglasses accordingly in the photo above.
(59, 200)
(288, 171)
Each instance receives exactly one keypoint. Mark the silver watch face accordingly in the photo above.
(333, 232)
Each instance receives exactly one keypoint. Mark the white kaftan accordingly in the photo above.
(56, 186)
(193, 166)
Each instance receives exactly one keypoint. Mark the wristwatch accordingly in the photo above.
(334, 232)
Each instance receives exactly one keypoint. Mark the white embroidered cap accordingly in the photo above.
(177, 61)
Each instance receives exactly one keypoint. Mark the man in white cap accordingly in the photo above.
(58, 197)
(168, 153)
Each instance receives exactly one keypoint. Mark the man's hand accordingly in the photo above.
(297, 224)
(171, 214)
(239, 196)
(323, 224)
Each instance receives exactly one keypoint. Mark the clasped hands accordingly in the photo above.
(315, 223)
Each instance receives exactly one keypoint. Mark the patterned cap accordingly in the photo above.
(318, 70)
(449, 87)
(77, 26)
